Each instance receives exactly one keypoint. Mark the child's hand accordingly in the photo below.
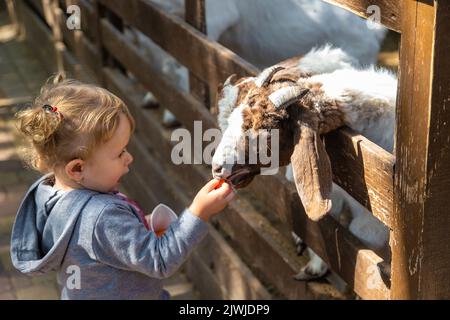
(211, 199)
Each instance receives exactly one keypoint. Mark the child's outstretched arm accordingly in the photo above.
(122, 241)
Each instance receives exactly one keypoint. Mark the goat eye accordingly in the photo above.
(252, 104)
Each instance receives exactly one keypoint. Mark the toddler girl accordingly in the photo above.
(73, 220)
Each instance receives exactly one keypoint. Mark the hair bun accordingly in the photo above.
(38, 124)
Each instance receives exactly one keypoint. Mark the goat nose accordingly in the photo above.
(217, 169)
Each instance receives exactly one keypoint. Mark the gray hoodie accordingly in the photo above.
(97, 244)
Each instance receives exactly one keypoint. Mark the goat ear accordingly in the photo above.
(312, 171)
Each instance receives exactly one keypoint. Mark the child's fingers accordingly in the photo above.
(230, 196)
(223, 191)
(211, 185)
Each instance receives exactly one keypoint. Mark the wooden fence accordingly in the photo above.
(248, 253)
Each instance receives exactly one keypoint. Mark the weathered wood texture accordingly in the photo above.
(390, 15)
(153, 135)
(421, 223)
(88, 16)
(75, 40)
(419, 196)
(153, 189)
(166, 92)
(243, 219)
(222, 268)
(9, 6)
(38, 35)
(373, 189)
(123, 51)
(209, 61)
(228, 269)
(195, 16)
(178, 102)
(364, 169)
(39, 7)
(368, 193)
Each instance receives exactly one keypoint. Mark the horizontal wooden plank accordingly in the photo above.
(362, 269)
(204, 279)
(38, 35)
(151, 172)
(388, 9)
(139, 190)
(368, 184)
(364, 169)
(79, 45)
(229, 270)
(326, 237)
(73, 68)
(154, 186)
(364, 184)
(208, 60)
(40, 38)
(39, 7)
(147, 121)
(216, 270)
(144, 182)
(87, 14)
(160, 142)
(290, 199)
(358, 259)
(148, 125)
(185, 107)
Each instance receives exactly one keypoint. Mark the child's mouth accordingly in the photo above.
(119, 181)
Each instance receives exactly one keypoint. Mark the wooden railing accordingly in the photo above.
(408, 191)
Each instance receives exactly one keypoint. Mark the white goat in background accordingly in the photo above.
(266, 31)
(304, 98)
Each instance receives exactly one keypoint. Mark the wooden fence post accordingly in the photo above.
(195, 16)
(107, 59)
(99, 14)
(51, 7)
(12, 13)
(421, 219)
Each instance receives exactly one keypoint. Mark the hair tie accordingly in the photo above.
(52, 109)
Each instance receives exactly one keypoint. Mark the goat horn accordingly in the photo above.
(287, 95)
(229, 79)
(265, 76)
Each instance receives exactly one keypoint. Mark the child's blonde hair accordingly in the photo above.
(85, 117)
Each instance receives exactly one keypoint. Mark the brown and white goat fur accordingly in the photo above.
(304, 98)
(264, 32)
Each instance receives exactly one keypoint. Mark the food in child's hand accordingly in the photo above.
(159, 233)
(219, 184)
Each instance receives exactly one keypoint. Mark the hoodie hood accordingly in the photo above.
(44, 225)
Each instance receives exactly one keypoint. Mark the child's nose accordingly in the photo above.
(129, 158)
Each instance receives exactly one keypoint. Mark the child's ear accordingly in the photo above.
(74, 170)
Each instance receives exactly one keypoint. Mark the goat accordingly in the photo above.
(304, 98)
(265, 32)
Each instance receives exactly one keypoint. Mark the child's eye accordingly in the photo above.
(122, 153)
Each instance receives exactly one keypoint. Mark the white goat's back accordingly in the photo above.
(367, 98)
(265, 32)
(271, 31)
